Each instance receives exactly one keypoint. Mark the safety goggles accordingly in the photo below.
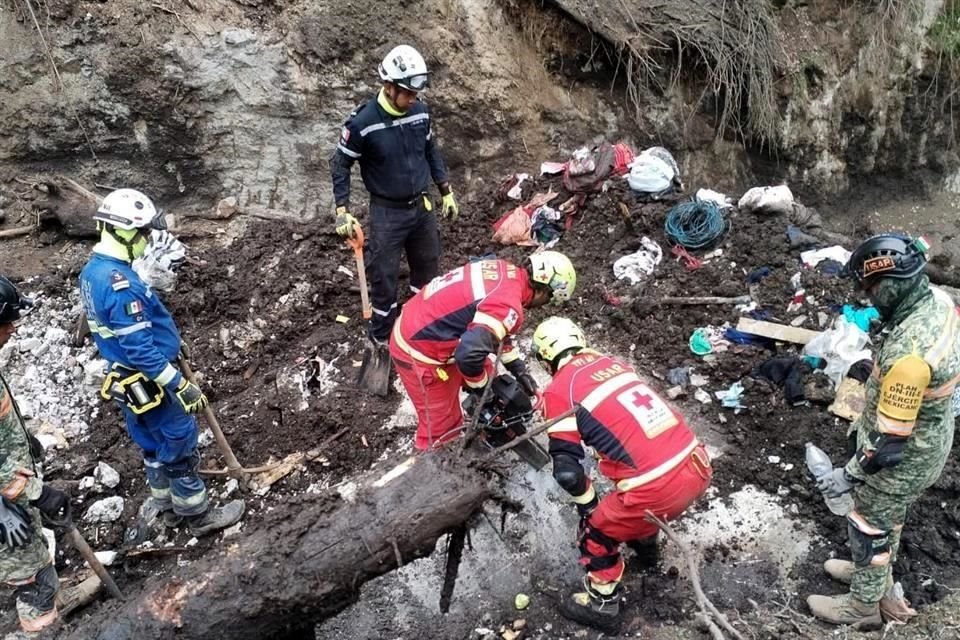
(418, 82)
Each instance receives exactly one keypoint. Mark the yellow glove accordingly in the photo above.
(449, 207)
(190, 396)
(346, 224)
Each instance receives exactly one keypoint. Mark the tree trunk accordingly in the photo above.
(305, 564)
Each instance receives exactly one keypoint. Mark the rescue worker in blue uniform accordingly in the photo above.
(138, 337)
(391, 138)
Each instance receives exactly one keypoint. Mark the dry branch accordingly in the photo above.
(17, 231)
(708, 612)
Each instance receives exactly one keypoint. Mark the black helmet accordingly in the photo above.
(11, 302)
(887, 255)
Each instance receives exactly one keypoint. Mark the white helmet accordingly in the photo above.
(406, 68)
(130, 209)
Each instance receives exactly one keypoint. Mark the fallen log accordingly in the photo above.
(306, 563)
(72, 204)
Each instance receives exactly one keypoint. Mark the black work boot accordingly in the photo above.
(647, 552)
(593, 609)
(216, 518)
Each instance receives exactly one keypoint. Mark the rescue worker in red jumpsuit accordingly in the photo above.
(446, 333)
(644, 447)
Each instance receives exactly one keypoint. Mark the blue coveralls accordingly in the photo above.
(133, 329)
(398, 157)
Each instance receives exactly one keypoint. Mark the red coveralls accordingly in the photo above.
(444, 335)
(643, 445)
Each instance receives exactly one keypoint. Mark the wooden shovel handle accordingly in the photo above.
(356, 242)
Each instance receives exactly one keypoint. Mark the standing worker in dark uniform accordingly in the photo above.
(391, 137)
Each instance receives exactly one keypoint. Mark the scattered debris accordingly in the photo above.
(770, 200)
(105, 510)
(521, 601)
(635, 267)
(106, 475)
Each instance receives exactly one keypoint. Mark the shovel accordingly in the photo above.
(69, 529)
(375, 370)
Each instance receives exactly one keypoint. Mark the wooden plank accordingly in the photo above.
(781, 332)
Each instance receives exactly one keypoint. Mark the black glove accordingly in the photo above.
(37, 451)
(15, 529)
(53, 503)
(472, 401)
(518, 369)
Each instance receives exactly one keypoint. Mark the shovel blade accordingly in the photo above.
(375, 370)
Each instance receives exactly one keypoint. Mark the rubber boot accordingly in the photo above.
(79, 595)
(647, 553)
(847, 610)
(593, 609)
(217, 518)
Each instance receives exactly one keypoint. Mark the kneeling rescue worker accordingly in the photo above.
(903, 436)
(25, 562)
(644, 447)
(137, 335)
(444, 337)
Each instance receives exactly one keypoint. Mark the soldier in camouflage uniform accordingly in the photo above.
(25, 561)
(904, 435)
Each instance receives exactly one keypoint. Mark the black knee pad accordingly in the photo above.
(868, 549)
(42, 591)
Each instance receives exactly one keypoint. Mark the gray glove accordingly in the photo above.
(15, 529)
(836, 483)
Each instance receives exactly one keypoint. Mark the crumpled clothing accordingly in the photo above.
(581, 162)
(785, 371)
(547, 226)
(800, 239)
(607, 159)
(861, 370)
(861, 317)
(636, 266)
(161, 259)
(730, 398)
(512, 187)
(815, 256)
(758, 274)
(514, 226)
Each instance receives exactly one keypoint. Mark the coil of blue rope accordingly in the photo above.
(695, 224)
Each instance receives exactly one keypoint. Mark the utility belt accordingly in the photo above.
(413, 202)
(133, 388)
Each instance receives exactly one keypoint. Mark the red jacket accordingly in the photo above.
(463, 316)
(635, 433)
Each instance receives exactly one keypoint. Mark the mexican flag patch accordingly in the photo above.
(133, 308)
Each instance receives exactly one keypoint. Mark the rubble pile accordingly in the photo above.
(56, 384)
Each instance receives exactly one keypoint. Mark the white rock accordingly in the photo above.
(29, 344)
(106, 558)
(231, 486)
(205, 438)
(48, 440)
(702, 396)
(229, 532)
(106, 510)
(773, 459)
(106, 475)
(94, 372)
(86, 483)
(697, 380)
(54, 335)
(192, 542)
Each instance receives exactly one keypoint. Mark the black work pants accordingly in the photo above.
(394, 231)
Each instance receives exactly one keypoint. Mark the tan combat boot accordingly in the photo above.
(894, 606)
(846, 609)
(79, 595)
(839, 570)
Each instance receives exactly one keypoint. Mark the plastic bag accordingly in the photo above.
(767, 200)
(841, 346)
(654, 172)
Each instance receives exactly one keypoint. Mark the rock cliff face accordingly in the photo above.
(208, 99)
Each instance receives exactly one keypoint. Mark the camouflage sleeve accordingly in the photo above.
(17, 478)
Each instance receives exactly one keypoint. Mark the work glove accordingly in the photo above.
(518, 369)
(37, 451)
(836, 483)
(346, 224)
(584, 510)
(448, 206)
(53, 503)
(190, 396)
(15, 529)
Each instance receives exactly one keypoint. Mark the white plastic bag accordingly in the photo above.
(841, 346)
(636, 266)
(767, 200)
(654, 171)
